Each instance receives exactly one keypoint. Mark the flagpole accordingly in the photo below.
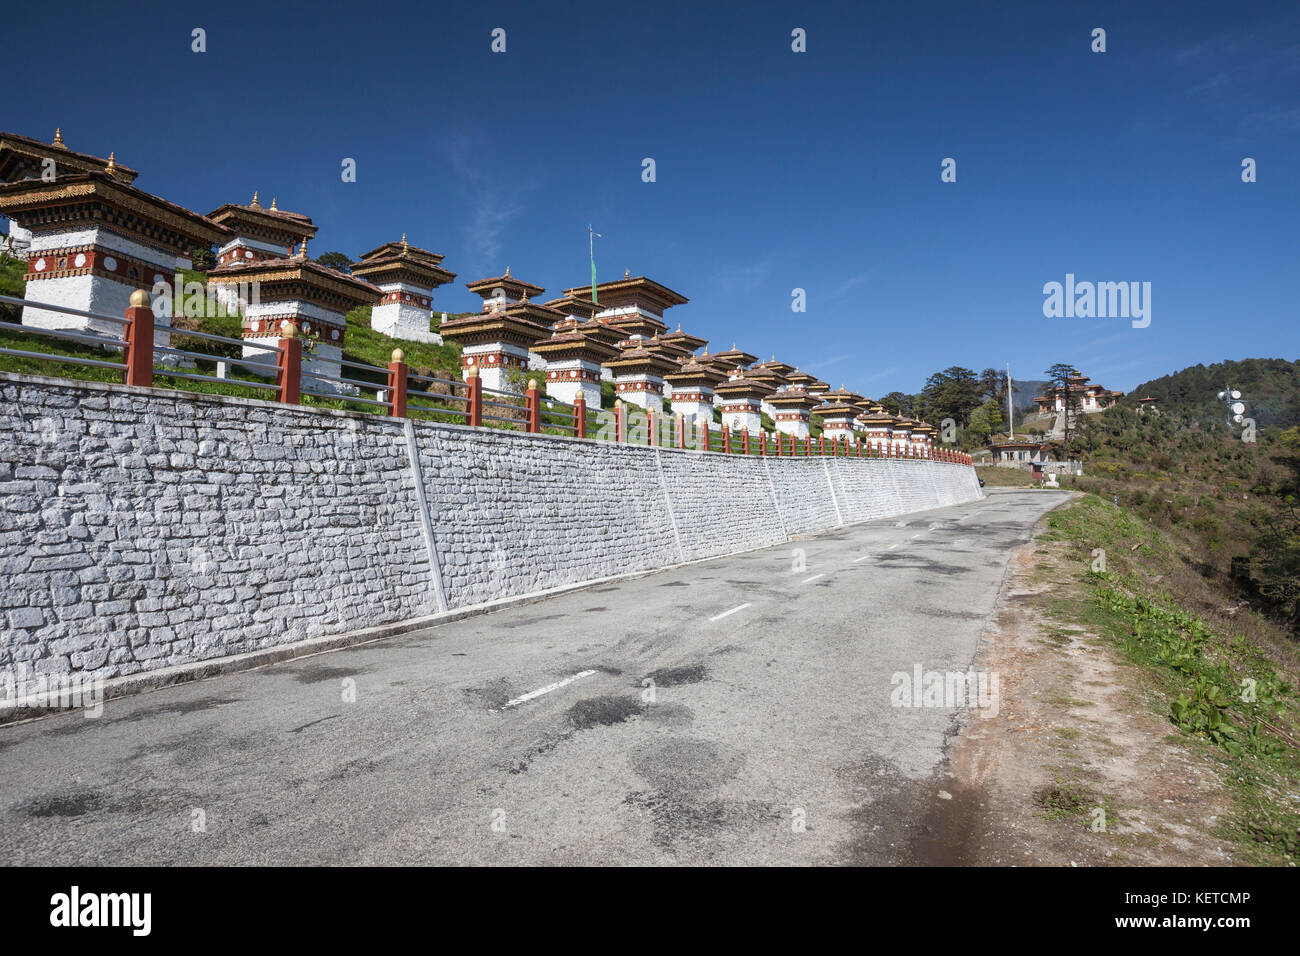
(1011, 418)
(591, 251)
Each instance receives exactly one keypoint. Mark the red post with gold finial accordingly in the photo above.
(580, 415)
(474, 405)
(139, 340)
(288, 366)
(533, 407)
(397, 372)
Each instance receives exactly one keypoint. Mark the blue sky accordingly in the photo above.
(775, 170)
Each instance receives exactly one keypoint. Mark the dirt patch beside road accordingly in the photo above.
(1075, 768)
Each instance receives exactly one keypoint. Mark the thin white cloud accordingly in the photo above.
(492, 207)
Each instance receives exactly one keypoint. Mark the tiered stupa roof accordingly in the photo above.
(99, 198)
(22, 157)
(402, 262)
(274, 226)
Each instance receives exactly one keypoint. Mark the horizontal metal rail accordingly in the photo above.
(508, 421)
(222, 381)
(335, 397)
(218, 338)
(50, 307)
(436, 411)
(442, 398)
(96, 340)
(69, 359)
(206, 357)
(363, 365)
(433, 378)
(322, 377)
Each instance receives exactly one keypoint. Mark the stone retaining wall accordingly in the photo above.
(142, 528)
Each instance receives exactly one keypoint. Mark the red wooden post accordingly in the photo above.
(762, 442)
(780, 442)
(704, 435)
(533, 407)
(620, 421)
(821, 444)
(580, 415)
(474, 407)
(680, 424)
(726, 440)
(744, 441)
(652, 436)
(858, 442)
(288, 368)
(807, 446)
(139, 340)
(397, 372)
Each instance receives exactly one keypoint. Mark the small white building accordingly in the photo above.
(498, 339)
(294, 291)
(95, 240)
(690, 390)
(406, 276)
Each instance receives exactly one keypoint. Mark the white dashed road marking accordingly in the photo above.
(719, 617)
(545, 690)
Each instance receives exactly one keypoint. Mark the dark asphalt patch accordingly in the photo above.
(147, 713)
(945, 612)
(676, 676)
(697, 825)
(318, 674)
(684, 766)
(529, 621)
(492, 695)
(70, 803)
(898, 560)
(313, 723)
(590, 610)
(604, 711)
(675, 584)
(669, 715)
(354, 768)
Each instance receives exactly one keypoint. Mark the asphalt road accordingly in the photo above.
(770, 738)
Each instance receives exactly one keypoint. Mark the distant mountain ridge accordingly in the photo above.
(1270, 389)
(1022, 398)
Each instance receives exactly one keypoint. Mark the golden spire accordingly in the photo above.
(255, 203)
(112, 163)
(627, 273)
(404, 242)
(507, 272)
(58, 139)
(273, 209)
(302, 250)
(679, 326)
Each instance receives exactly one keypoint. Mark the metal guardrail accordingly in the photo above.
(535, 413)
